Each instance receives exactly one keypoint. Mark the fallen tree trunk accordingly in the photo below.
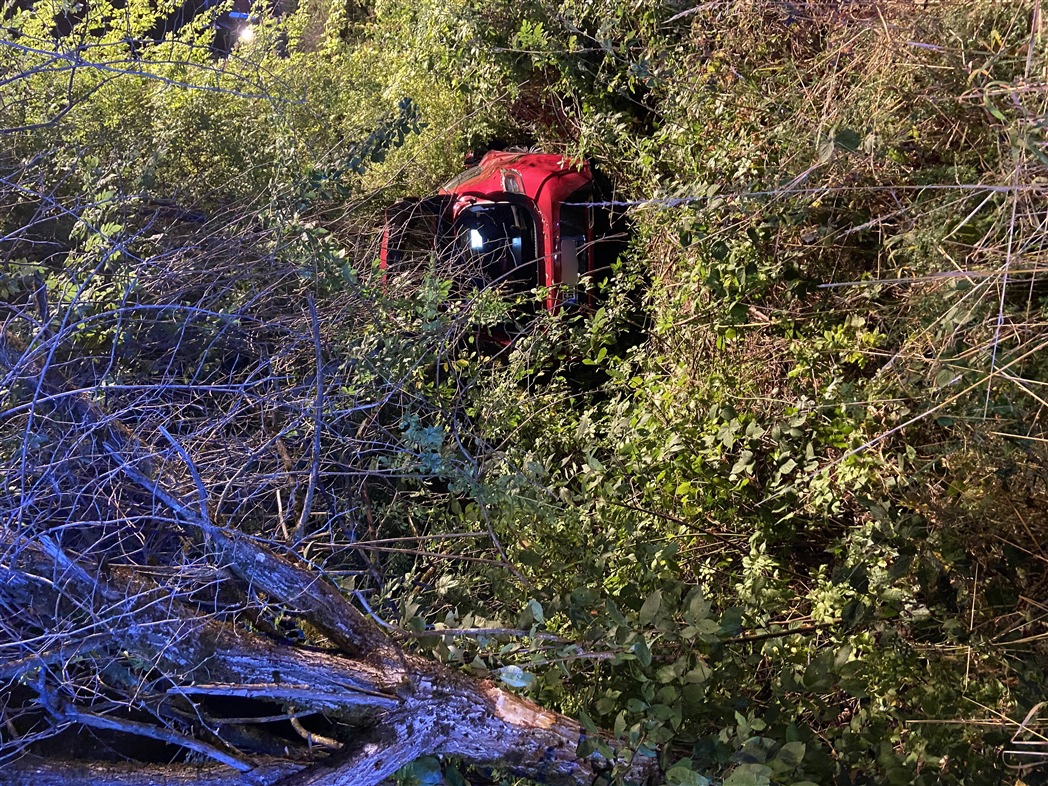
(134, 650)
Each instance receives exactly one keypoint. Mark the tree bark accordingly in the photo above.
(402, 709)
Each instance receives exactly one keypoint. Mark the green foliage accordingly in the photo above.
(747, 453)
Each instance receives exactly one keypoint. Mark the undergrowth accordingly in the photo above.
(794, 535)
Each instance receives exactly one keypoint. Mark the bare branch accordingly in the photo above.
(154, 732)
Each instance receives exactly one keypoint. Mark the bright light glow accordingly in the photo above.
(247, 34)
(476, 240)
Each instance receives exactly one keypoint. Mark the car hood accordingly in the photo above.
(534, 175)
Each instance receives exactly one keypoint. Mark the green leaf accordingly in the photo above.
(699, 674)
(698, 607)
(818, 677)
(587, 722)
(536, 611)
(681, 774)
(666, 674)
(694, 698)
(643, 652)
(427, 771)
(731, 621)
(744, 463)
(651, 607)
(791, 754)
(749, 775)
(708, 627)
(516, 677)
(993, 109)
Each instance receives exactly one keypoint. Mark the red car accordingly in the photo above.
(515, 221)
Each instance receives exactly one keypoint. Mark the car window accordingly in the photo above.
(494, 244)
(462, 177)
(573, 245)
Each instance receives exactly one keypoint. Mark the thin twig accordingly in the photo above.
(318, 424)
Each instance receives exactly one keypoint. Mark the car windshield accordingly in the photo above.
(494, 245)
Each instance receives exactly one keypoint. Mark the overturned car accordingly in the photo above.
(522, 223)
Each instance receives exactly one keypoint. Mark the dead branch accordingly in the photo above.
(156, 647)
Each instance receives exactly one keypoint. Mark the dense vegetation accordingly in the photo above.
(792, 533)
